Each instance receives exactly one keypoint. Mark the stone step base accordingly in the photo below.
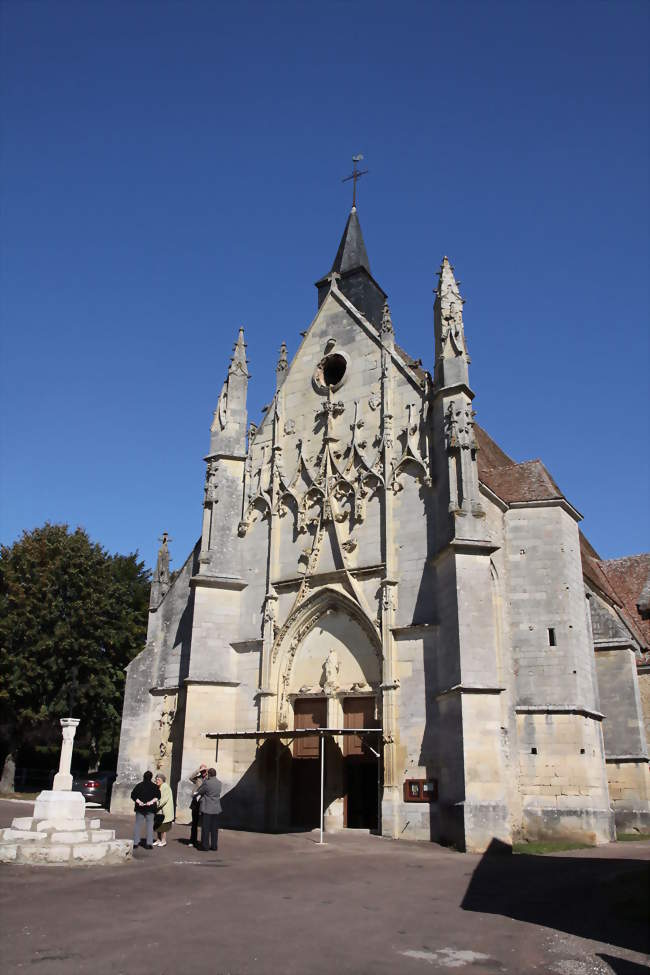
(57, 836)
(29, 823)
(105, 852)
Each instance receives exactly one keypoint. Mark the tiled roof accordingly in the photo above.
(624, 582)
(592, 571)
(489, 454)
(628, 577)
(509, 480)
(529, 481)
(643, 602)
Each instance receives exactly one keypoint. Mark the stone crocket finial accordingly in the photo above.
(449, 314)
(160, 582)
(387, 331)
(238, 362)
(282, 366)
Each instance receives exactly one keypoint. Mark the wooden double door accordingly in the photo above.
(310, 712)
(361, 766)
(351, 774)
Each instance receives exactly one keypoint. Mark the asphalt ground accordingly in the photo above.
(283, 905)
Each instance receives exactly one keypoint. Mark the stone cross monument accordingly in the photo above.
(58, 831)
(63, 778)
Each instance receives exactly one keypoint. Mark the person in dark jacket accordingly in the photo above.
(145, 797)
(208, 795)
(197, 779)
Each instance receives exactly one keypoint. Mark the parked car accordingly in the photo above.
(95, 787)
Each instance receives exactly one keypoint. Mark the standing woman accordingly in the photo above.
(164, 812)
(209, 794)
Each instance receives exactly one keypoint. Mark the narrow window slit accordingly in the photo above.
(551, 637)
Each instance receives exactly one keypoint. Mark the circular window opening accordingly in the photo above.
(333, 369)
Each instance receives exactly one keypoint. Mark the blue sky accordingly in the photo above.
(172, 170)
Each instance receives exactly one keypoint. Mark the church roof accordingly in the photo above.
(352, 249)
(625, 583)
(512, 482)
(629, 577)
(509, 480)
(490, 454)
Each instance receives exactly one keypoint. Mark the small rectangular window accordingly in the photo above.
(551, 637)
(533, 751)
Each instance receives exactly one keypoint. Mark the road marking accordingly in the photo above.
(447, 957)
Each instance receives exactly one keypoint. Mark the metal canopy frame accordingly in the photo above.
(301, 733)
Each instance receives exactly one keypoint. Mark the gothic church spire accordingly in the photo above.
(351, 271)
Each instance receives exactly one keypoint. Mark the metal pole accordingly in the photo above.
(322, 785)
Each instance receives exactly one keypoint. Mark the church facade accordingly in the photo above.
(371, 559)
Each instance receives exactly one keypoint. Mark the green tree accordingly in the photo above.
(71, 618)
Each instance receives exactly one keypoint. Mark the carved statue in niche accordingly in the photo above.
(459, 427)
(211, 486)
(331, 669)
(452, 329)
(164, 723)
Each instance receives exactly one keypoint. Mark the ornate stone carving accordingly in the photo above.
(164, 724)
(329, 411)
(450, 308)
(211, 483)
(270, 613)
(161, 579)
(388, 430)
(411, 438)
(459, 427)
(386, 329)
(283, 365)
(452, 329)
(331, 669)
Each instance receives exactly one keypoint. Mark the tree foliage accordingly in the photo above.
(71, 618)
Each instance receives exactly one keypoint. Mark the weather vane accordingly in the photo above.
(355, 175)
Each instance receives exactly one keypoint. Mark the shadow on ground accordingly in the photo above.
(620, 966)
(603, 900)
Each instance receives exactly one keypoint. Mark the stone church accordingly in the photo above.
(371, 559)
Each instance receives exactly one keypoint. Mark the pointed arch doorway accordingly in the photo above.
(331, 678)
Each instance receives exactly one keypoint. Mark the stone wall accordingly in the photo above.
(644, 692)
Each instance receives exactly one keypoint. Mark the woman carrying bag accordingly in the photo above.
(164, 812)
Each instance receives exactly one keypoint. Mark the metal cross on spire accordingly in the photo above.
(355, 175)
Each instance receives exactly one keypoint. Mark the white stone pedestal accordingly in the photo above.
(57, 804)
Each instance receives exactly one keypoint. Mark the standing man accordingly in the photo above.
(196, 778)
(209, 794)
(145, 797)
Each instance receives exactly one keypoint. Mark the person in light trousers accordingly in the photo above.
(208, 795)
(145, 797)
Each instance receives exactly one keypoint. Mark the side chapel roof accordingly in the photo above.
(629, 577)
(625, 582)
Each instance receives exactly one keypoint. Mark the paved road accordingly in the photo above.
(282, 905)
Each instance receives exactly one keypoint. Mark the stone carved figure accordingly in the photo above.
(459, 427)
(161, 572)
(331, 669)
(452, 329)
